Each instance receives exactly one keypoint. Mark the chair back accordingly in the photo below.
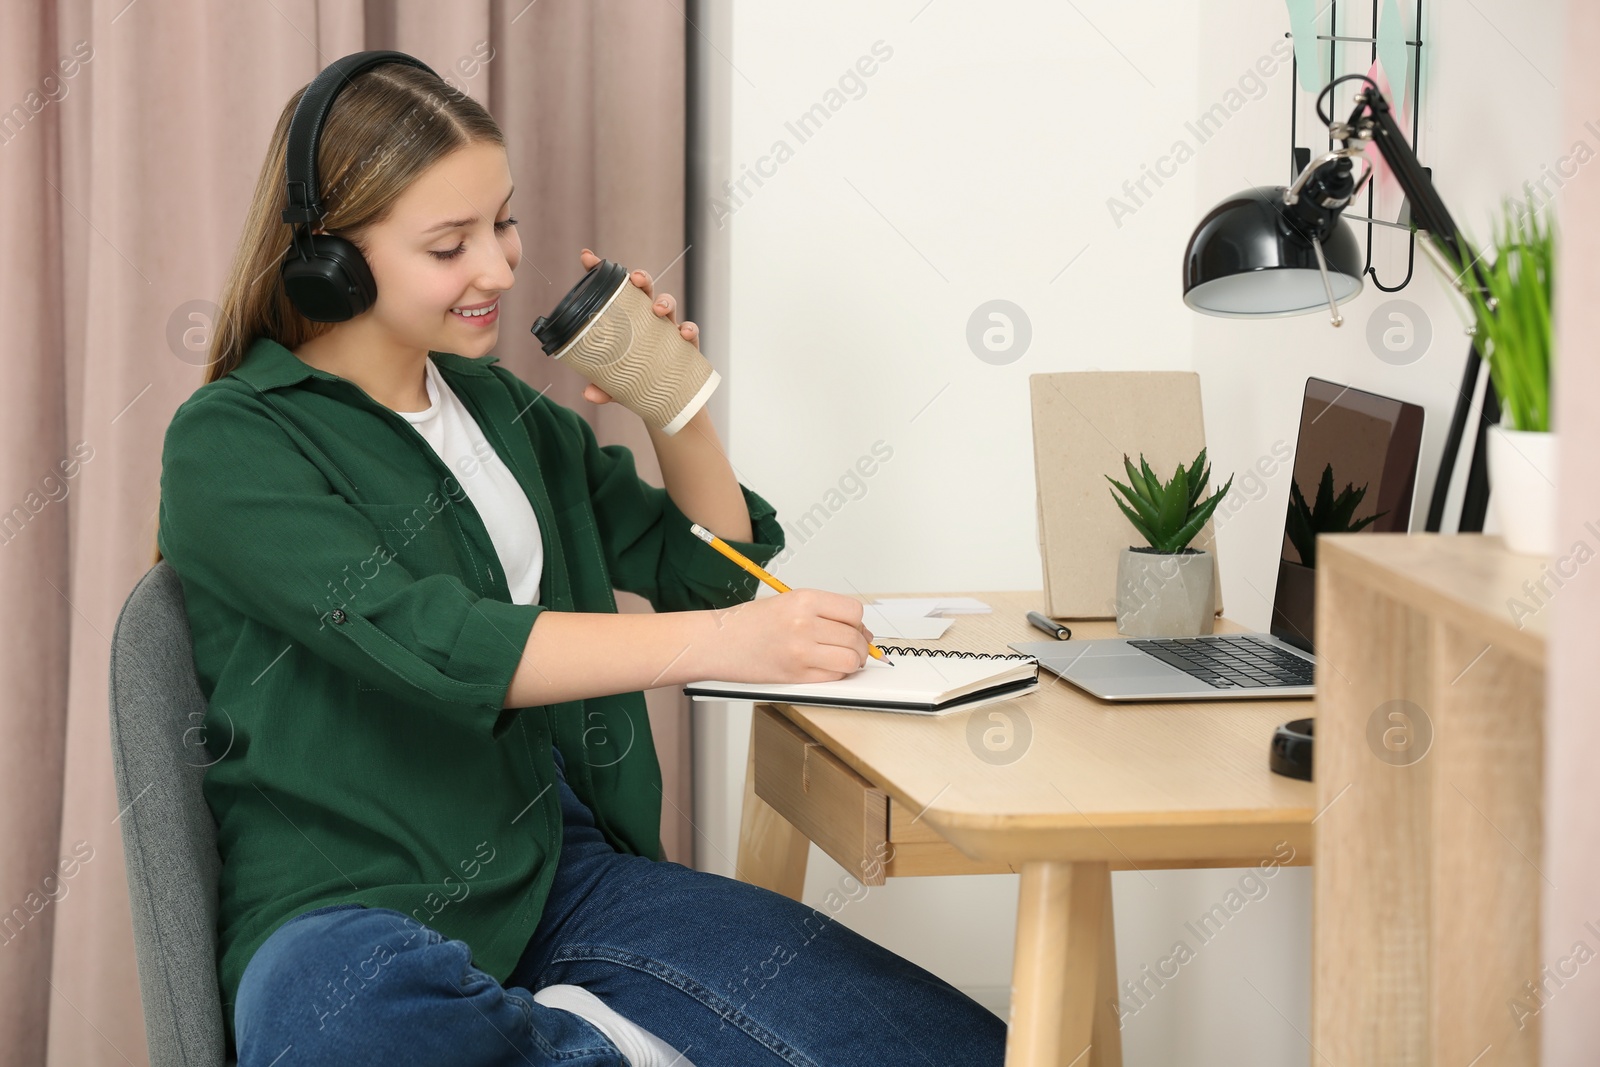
(159, 755)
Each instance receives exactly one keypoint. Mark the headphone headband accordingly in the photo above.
(326, 278)
(305, 129)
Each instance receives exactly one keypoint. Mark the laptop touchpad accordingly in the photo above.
(1131, 665)
(1101, 659)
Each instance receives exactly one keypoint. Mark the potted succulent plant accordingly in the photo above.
(1165, 588)
(1511, 321)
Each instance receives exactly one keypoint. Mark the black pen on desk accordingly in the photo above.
(1050, 626)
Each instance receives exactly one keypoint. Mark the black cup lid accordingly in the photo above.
(582, 302)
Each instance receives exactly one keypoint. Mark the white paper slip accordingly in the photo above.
(922, 680)
(886, 621)
(956, 605)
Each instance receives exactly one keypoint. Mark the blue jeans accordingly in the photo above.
(730, 974)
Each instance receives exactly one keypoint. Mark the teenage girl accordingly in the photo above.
(437, 798)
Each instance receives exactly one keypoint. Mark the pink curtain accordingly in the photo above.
(130, 138)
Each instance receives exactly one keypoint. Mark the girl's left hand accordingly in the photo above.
(666, 305)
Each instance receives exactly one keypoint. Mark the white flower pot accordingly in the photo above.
(1522, 488)
(1164, 594)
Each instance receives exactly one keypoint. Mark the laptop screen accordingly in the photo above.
(1355, 470)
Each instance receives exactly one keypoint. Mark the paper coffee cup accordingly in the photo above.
(607, 331)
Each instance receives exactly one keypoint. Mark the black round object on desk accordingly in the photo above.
(1291, 749)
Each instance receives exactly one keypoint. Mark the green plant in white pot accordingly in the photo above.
(1166, 588)
(1511, 321)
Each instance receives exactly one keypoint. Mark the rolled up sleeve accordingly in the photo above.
(698, 571)
(649, 549)
(248, 517)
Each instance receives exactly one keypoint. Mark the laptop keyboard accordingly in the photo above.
(1231, 661)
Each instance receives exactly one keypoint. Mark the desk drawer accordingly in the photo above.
(831, 804)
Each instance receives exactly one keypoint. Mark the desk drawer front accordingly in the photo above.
(827, 801)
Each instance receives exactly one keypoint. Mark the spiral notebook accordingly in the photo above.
(924, 681)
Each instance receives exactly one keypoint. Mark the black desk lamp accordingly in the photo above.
(1276, 250)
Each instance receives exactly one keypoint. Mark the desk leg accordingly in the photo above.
(1107, 1048)
(1059, 1017)
(772, 853)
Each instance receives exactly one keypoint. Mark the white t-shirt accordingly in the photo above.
(513, 528)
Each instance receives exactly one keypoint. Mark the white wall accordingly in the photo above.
(976, 164)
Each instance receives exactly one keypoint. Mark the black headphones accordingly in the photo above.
(326, 277)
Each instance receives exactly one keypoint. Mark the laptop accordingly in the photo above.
(1348, 439)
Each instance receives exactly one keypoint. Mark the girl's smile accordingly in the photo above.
(477, 316)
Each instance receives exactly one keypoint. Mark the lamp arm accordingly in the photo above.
(1429, 213)
(1427, 208)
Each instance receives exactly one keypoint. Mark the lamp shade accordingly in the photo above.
(1251, 257)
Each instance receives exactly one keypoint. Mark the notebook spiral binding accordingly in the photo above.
(954, 653)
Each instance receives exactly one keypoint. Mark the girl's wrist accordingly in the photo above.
(695, 426)
(705, 635)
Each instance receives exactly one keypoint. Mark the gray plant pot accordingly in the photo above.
(1164, 594)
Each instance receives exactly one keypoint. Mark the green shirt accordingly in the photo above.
(354, 637)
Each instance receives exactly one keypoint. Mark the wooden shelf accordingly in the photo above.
(1429, 711)
(1472, 576)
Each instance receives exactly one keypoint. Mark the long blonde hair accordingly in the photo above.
(391, 123)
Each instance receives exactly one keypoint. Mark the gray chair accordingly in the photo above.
(159, 756)
(169, 837)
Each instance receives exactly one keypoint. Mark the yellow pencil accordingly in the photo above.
(750, 565)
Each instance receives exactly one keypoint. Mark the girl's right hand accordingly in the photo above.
(804, 635)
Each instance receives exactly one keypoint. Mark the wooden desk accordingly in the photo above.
(1056, 786)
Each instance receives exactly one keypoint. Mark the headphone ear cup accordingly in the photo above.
(333, 285)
